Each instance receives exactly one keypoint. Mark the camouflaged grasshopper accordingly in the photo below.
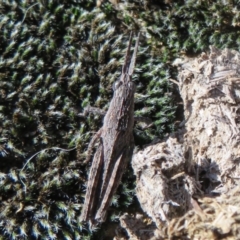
(116, 145)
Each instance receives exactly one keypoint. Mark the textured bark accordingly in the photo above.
(188, 183)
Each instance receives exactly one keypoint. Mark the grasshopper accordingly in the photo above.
(116, 145)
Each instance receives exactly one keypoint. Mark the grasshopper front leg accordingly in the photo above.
(91, 145)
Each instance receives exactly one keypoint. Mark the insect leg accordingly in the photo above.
(93, 186)
(115, 179)
(91, 144)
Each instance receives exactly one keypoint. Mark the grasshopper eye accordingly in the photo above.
(116, 85)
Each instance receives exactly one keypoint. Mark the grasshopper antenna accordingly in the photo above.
(127, 56)
(134, 56)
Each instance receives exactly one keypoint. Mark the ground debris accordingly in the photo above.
(189, 184)
(138, 227)
(209, 86)
(164, 190)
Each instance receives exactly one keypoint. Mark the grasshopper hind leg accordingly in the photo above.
(93, 187)
(114, 182)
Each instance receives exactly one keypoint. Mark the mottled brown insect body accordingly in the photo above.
(116, 145)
